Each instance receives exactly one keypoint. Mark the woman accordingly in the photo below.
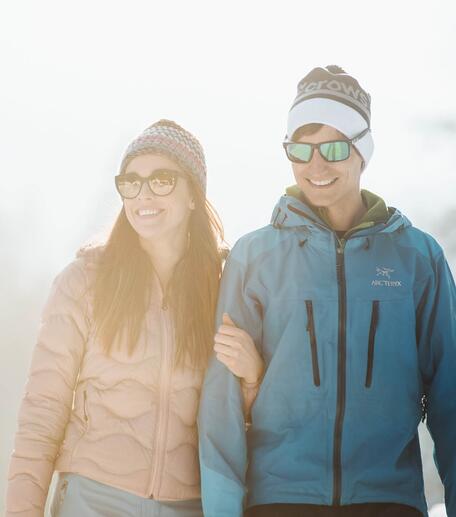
(112, 395)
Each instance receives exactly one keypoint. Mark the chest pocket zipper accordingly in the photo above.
(371, 344)
(313, 342)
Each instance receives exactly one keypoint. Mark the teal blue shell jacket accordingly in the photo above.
(359, 340)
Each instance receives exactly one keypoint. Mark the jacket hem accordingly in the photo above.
(109, 482)
(260, 498)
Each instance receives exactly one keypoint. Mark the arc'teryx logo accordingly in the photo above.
(385, 278)
(384, 271)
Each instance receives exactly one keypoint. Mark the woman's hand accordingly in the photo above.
(236, 350)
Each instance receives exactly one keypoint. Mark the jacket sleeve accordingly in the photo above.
(46, 405)
(223, 448)
(436, 328)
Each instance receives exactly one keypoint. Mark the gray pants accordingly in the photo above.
(77, 496)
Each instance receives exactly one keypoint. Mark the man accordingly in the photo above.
(354, 312)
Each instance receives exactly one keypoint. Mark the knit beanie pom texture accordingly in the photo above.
(167, 138)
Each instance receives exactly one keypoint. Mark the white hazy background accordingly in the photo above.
(79, 80)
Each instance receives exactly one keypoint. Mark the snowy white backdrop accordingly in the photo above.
(80, 80)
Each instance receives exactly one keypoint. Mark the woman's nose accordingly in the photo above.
(145, 192)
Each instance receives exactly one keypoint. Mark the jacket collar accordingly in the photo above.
(292, 211)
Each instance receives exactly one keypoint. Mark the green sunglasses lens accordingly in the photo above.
(301, 152)
(335, 151)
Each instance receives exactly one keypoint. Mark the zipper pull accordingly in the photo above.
(423, 408)
(340, 252)
(341, 245)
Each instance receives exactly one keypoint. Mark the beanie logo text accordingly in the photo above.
(331, 86)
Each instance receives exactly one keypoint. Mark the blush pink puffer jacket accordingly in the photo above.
(127, 421)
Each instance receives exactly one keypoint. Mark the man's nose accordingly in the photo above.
(317, 161)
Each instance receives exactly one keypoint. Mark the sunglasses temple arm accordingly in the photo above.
(358, 137)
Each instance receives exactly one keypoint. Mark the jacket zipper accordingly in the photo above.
(86, 416)
(86, 427)
(313, 342)
(62, 491)
(370, 352)
(162, 423)
(341, 360)
(341, 373)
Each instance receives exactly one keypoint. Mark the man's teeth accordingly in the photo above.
(322, 183)
(148, 212)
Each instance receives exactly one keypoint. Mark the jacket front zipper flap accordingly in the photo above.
(163, 407)
(341, 374)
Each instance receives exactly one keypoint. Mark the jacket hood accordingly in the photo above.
(291, 212)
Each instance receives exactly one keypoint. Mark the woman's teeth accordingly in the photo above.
(322, 183)
(144, 212)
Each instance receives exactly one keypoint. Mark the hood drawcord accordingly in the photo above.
(366, 244)
(283, 220)
(274, 222)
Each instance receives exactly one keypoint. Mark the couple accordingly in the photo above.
(336, 334)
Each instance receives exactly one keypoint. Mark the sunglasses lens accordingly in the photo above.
(299, 152)
(127, 186)
(163, 182)
(335, 151)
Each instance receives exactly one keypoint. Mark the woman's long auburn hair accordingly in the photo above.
(122, 287)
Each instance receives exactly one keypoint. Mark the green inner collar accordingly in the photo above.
(376, 210)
